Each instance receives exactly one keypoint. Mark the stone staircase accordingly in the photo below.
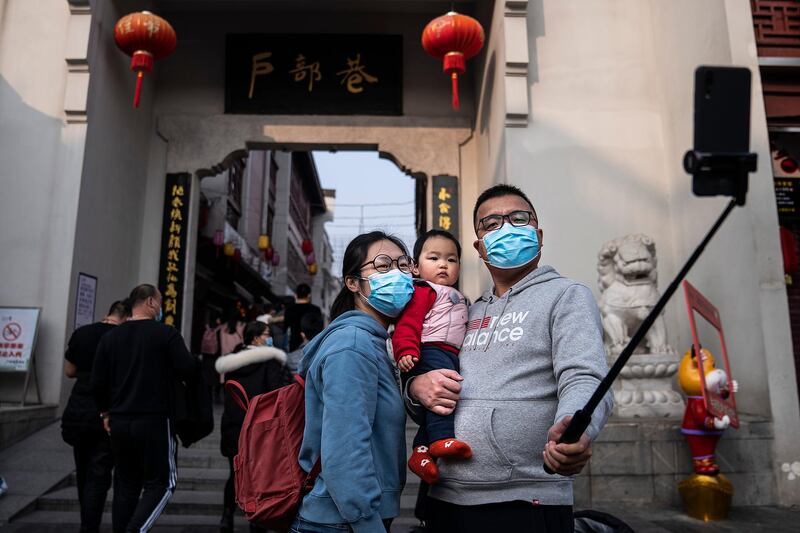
(196, 505)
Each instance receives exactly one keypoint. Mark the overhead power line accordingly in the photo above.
(374, 205)
(375, 216)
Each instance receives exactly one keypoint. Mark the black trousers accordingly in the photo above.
(516, 516)
(436, 427)
(229, 499)
(93, 464)
(145, 454)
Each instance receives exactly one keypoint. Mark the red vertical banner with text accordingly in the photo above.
(172, 271)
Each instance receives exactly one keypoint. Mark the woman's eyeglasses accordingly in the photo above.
(383, 263)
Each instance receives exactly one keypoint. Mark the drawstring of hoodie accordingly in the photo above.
(480, 324)
(506, 297)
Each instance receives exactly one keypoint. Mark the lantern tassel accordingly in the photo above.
(139, 77)
(454, 78)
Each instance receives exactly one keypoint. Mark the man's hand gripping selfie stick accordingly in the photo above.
(694, 162)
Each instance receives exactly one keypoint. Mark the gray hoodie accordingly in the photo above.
(529, 358)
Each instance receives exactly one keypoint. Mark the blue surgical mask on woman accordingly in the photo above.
(389, 292)
(511, 246)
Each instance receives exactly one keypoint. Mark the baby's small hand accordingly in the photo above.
(407, 362)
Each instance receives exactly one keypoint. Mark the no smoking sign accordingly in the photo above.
(12, 331)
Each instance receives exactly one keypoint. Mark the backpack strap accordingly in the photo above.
(237, 393)
(311, 478)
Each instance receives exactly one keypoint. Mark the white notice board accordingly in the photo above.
(18, 327)
(85, 300)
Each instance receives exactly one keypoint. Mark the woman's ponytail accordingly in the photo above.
(344, 302)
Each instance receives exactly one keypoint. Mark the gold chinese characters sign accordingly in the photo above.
(173, 246)
(314, 74)
(445, 204)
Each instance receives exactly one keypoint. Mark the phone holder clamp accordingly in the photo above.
(733, 167)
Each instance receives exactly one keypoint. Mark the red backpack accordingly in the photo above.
(270, 484)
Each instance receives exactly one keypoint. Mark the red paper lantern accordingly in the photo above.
(789, 165)
(237, 255)
(146, 38)
(454, 38)
(307, 246)
(268, 253)
(789, 249)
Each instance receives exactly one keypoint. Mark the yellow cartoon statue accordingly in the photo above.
(707, 493)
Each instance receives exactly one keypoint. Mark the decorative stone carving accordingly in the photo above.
(627, 279)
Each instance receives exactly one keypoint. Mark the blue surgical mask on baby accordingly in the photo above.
(389, 292)
(511, 246)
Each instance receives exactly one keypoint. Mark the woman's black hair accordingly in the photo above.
(233, 319)
(252, 331)
(354, 256)
(431, 234)
(213, 316)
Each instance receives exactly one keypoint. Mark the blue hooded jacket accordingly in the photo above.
(355, 415)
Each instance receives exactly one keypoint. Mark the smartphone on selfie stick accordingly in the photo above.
(719, 163)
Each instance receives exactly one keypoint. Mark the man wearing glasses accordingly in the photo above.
(532, 356)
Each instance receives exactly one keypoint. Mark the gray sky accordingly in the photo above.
(364, 184)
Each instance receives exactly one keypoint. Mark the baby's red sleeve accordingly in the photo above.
(408, 330)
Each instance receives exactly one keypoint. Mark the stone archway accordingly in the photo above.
(208, 145)
(417, 146)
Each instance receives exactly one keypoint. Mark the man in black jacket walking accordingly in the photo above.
(81, 426)
(132, 381)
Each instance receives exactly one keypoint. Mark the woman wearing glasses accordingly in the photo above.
(355, 420)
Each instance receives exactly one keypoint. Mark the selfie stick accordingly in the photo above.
(693, 162)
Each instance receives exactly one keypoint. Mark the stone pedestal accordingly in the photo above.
(641, 462)
(645, 388)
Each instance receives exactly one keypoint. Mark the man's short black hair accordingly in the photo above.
(141, 293)
(431, 234)
(312, 324)
(496, 191)
(303, 290)
(119, 308)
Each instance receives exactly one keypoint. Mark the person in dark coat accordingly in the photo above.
(259, 368)
(81, 425)
(295, 313)
(133, 382)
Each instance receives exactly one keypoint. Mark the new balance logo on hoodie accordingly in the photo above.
(508, 328)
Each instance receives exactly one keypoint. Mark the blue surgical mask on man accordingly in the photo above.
(160, 314)
(511, 246)
(389, 292)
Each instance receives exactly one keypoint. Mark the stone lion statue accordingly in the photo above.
(627, 279)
